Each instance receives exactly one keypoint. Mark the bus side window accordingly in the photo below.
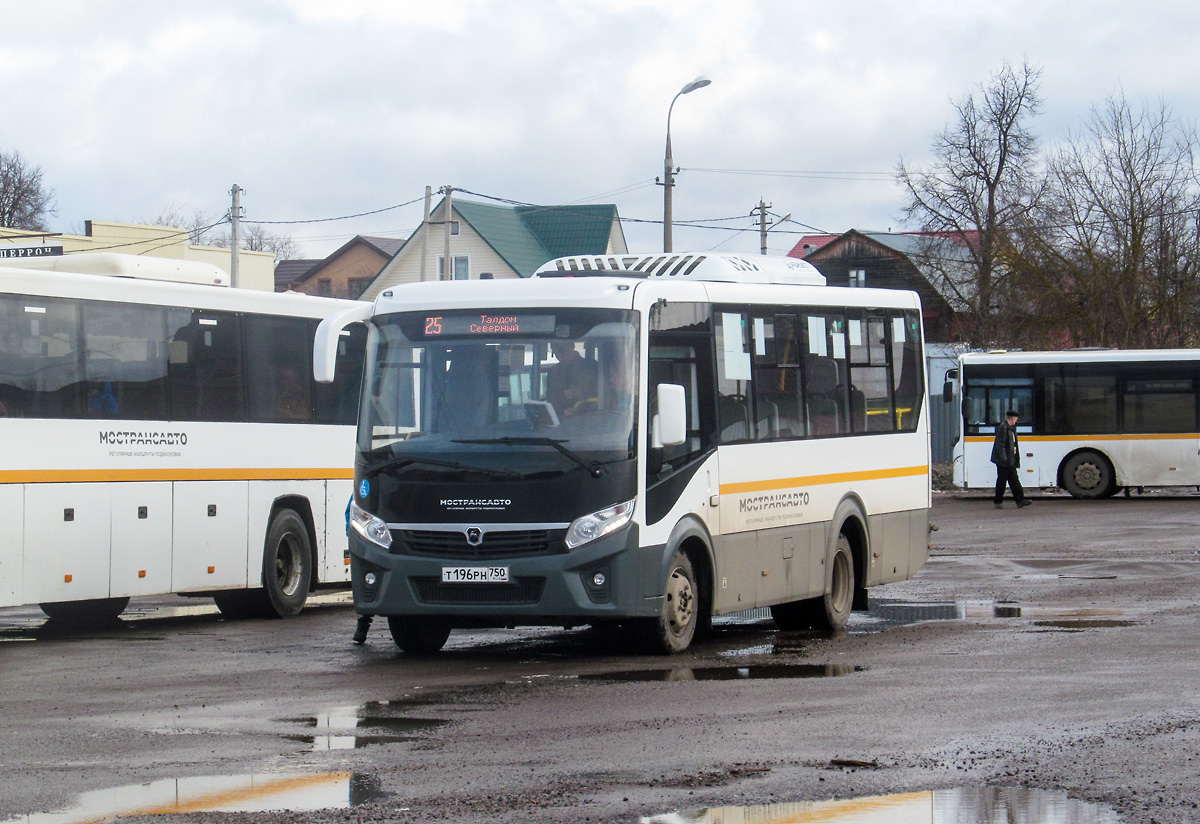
(279, 369)
(204, 366)
(125, 361)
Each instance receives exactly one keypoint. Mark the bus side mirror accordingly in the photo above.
(325, 342)
(670, 424)
(948, 386)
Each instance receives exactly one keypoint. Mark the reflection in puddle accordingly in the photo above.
(1084, 623)
(728, 673)
(883, 614)
(348, 728)
(230, 793)
(959, 806)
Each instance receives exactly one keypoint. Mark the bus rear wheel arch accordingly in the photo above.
(1088, 474)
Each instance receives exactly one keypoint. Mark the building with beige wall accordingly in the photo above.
(256, 270)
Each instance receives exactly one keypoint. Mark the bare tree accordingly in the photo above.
(983, 180)
(199, 224)
(255, 238)
(25, 201)
(1113, 254)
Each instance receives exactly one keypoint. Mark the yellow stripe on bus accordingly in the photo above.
(819, 480)
(1146, 436)
(42, 476)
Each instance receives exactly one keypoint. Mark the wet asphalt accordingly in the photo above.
(1051, 649)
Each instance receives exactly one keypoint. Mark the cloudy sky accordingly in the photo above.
(320, 109)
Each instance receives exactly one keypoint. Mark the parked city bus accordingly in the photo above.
(637, 443)
(1092, 421)
(168, 438)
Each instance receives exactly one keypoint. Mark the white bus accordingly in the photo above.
(635, 441)
(1091, 421)
(168, 438)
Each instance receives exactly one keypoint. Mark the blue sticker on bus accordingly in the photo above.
(364, 488)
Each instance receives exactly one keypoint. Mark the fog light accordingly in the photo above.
(599, 580)
(369, 579)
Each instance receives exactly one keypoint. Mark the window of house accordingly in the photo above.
(462, 267)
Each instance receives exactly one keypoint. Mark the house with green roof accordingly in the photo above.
(493, 241)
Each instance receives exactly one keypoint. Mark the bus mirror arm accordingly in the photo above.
(670, 424)
(325, 343)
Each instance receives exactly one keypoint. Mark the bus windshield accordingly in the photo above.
(528, 392)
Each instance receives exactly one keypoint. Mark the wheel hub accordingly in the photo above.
(681, 602)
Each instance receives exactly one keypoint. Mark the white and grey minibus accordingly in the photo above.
(168, 438)
(635, 441)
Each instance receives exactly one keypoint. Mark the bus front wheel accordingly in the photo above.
(1088, 474)
(672, 631)
(418, 635)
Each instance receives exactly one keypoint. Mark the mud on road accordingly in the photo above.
(1051, 648)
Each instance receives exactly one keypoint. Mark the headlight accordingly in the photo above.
(370, 527)
(598, 524)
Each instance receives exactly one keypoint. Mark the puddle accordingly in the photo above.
(728, 673)
(364, 725)
(230, 793)
(984, 805)
(1084, 623)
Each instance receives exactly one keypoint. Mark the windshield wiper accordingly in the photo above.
(400, 462)
(596, 469)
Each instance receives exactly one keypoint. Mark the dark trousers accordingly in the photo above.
(1007, 476)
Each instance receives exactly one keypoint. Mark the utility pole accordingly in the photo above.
(447, 215)
(425, 231)
(762, 225)
(235, 235)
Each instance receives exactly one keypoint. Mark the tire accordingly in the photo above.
(79, 612)
(286, 574)
(672, 631)
(287, 565)
(1089, 475)
(831, 611)
(418, 635)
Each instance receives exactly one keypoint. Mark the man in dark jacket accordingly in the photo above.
(1006, 455)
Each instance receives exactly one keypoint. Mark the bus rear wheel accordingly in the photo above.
(95, 609)
(286, 573)
(831, 611)
(1088, 474)
(672, 631)
(419, 635)
(287, 565)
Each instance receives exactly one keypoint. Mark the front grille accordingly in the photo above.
(498, 544)
(521, 591)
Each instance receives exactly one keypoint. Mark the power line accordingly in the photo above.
(341, 217)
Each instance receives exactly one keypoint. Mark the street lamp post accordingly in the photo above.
(669, 166)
